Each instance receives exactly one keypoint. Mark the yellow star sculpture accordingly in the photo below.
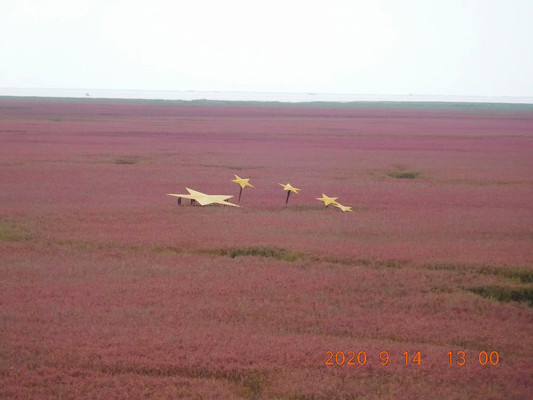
(343, 208)
(290, 188)
(204, 199)
(327, 200)
(242, 182)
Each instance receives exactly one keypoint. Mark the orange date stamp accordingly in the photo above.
(360, 358)
(355, 358)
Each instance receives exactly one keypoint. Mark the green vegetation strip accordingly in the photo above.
(12, 232)
(399, 172)
(403, 174)
(505, 294)
(517, 274)
(256, 251)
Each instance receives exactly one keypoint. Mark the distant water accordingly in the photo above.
(248, 96)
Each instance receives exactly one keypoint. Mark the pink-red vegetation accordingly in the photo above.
(108, 289)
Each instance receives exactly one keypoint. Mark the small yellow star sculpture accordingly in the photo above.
(327, 200)
(290, 188)
(343, 208)
(242, 182)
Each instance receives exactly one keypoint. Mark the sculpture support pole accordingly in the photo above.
(287, 199)
(240, 193)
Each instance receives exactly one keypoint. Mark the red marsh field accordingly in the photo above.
(110, 290)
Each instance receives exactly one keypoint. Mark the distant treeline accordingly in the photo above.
(415, 105)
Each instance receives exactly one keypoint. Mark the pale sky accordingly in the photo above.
(435, 47)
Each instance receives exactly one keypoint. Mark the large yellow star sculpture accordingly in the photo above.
(243, 183)
(327, 200)
(289, 188)
(204, 199)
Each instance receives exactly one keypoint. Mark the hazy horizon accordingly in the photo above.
(382, 48)
(288, 97)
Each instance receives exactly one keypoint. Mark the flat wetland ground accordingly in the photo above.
(109, 289)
